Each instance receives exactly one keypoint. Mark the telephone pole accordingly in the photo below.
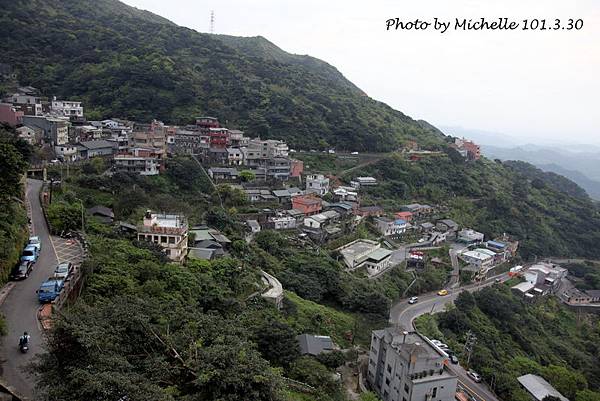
(212, 21)
(469, 344)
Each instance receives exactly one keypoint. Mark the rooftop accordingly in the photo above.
(539, 388)
(314, 345)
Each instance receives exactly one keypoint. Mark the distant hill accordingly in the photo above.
(581, 167)
(124, 62)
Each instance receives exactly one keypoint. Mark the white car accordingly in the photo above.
(35, 241)
(475, 376)
(354, 153)
(413, 300)
(63, 270)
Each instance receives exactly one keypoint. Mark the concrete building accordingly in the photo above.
(10, 115)
(89, 149)
(478, 259)
(66, 108)
(140, 161)
(235, 157)
(170, 231)
(317, 184)
(309, 205)
(314, 345)
(406, 366)
(470, 236)
(360, 182)
(54, 130)
(67, 152)
(282, 222)
(366, 253)
(391, 228)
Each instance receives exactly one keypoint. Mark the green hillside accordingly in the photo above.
(123, 62)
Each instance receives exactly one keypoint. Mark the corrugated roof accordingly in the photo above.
(538, 387)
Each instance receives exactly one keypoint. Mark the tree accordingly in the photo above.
(369, 396)
(277, 343)
(247, 176)
(12, 166)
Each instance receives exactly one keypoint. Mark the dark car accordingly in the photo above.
(454, 359)
(23, 270)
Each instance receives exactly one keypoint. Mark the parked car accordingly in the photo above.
(454, 359)
(30, 253)
(443, 292)
(354, 153)
(35, 241)
(497, 281)
(63, 270)
(23, 271)
(436, 342)
(413, 300)
(50, 289)
(475, 376)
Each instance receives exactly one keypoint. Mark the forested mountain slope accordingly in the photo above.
(123, 62)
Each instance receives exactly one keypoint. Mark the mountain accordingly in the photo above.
(123, 62)
(583, 167)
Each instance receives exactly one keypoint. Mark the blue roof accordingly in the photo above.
(496, 244)
(400, 222)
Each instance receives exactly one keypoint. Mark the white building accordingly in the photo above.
(476, 258)
(359, 182)
(283, 222)
(406, 366)
(66, 152)
(317, 184)
(319, 220)
(391, 228)
(139, 160)
(366, 253)
(469, 236)
(235, 157)
(170, 231)
(66, 108)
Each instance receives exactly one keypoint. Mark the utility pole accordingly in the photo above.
(212, 21)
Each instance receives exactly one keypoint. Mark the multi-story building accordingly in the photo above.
(218, 137)
(406, 366)
(153, 135)
(66, 108)
(317, 184)
(30, 105)
(140, 161)
(391, 228)
(10, 115)
(237, 138)
(235, 157)
(170, 231)
(278, 168)
(308, 205)
(54, 130)
(190, 142)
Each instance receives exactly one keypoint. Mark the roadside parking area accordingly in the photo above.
(67, 250)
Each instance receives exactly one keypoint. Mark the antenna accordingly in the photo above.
(212, 21)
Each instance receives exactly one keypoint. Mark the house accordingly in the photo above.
(406, 366)
(54, 130)
(365, 211)
(89, 149)
(417, 209)
(391, 228)
(285, 195)
(308, 204)
(360, 182)
(447, 225)
(296, 168)
(10, 115)
(223, 174)
(319, 220)
(539, 388)
(202, 253)
(257, 195)
(170, 231)
(468, 149)
(345, 194)
(204, 233)
(470, 236)
(367, 253)
(102, 213)
(426, 227)
(235, 157)
(153, 135)
(314, 345)
(282, 222)
(478, 259)
(66, 108)
(317, 184)
(29, 135)
(298, 215)
(406, 216)
(546, 277)
(343, 208)
(139, 161)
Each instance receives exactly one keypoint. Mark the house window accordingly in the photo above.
(387, 382)
(406, 388)
(163, 239)
(171, 240)
(389, 368)
(434, 392)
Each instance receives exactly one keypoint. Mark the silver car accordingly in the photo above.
(63, 270)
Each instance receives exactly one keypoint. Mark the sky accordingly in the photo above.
(538, 86)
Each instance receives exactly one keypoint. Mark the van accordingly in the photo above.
(49, 290)
(30, 254)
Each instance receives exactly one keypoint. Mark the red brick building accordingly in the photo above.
(309, 205)
(406, 216)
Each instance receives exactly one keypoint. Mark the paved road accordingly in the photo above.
(404, 314)
(21, 305)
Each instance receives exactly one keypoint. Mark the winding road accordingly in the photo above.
(21, 305)
(403, 314)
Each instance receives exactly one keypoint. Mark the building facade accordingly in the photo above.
(406, 366)
(170, 231)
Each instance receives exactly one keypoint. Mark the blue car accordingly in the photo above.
(49, 290)
(30, 254)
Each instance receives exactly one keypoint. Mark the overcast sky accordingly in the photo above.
(539, 85)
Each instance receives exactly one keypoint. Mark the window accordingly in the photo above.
(163, 239)
(387, 382)
(389, 368)
(171, 240)
(434, 392)
(406, 388)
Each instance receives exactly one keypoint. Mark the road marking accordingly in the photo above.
(471, 390)
(53, 247)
